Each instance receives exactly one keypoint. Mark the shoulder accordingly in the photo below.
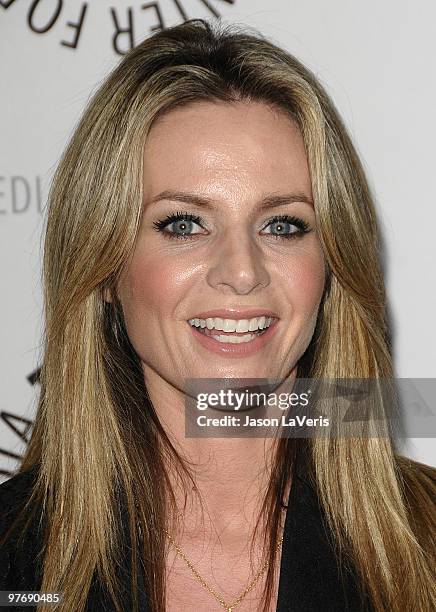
(19, 541)
(14, 494)
(17, 487)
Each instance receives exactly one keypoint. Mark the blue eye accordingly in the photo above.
(288, 226)
(181, 225)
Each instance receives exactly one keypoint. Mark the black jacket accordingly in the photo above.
(310, 578)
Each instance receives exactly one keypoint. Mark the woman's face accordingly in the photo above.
(225, 262)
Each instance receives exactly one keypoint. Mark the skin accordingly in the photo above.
(235, 155)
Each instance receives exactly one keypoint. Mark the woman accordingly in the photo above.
(210, 184)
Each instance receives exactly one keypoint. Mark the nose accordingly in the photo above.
(238, 265)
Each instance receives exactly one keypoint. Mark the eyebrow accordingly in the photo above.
(269, 201)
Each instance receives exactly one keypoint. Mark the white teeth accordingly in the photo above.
(242, 325)
(235, 339)
(232, 325)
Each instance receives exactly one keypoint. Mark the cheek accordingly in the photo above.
(152, 286)
(147, 293)
(304, 278)
(151, 281)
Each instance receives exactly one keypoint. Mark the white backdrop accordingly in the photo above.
(376, 60)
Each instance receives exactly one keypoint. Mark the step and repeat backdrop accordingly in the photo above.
(377, 61)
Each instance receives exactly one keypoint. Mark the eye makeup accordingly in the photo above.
(186, 220)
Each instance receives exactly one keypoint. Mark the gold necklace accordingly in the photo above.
(220, 600)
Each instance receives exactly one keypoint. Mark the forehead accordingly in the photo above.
(218, 145)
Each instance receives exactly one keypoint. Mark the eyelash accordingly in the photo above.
(303, 227)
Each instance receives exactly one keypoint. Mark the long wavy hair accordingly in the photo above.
(97, 439)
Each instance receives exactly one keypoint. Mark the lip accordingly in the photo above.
(235, 350)
(236, 313)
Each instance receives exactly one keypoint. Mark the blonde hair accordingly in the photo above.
(97, 439)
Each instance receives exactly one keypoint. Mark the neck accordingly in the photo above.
(231, 475)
